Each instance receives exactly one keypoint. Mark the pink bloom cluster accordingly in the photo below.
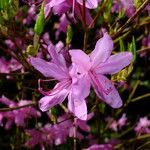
(18, 116)
(9, 66)
(127, 6)
(143, 126)
(56, 134)
(117, 125)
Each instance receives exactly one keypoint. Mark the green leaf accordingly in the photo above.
(122, 48)
(39, 25)
(134, 48)
(4, 4)
(69, 35)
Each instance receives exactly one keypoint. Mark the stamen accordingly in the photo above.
(62, 85)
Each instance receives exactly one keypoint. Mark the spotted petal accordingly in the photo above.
(106, 91)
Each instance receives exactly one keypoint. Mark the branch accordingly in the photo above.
(17, 107)
(132, 140)
(130, 20)
(97, 15)
(140, 97)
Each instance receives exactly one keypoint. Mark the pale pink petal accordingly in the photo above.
(102, 51)
(77, 107)
(81, 88)
(79, 12)
(106, 91)
(81, 59)
(114, 63)
(91, 4)
(47, 69)
(47, 102)
(53, 3)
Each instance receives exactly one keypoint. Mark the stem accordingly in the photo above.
(14, 74)
(84, 26)
(132, 140)
(84, 14)
(142, 146)
(133, 91)
(97, 15)
(130, 20)
(17, 107)
(75, 135)
(129, 99)
(145, 49)
(140, 97)
(85, 40)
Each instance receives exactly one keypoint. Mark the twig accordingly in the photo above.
(75, 135)
(130, 20)
(97, 15)
(140, 97)
(17, 107)
(14, 74)
(145, 49)
(129, 99)
(132, 140)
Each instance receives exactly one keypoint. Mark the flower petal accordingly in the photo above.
(48, 102)
(77, 107)
(81, 88)
(53, 3)
(81, 60)
(106, 91)
(47, 69)
(102, 51)
(114, 63)
(91, 4)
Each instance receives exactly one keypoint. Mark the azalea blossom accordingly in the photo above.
(91, 4)
(99, 63)
(143, 126)
(100, 147)
(61, 7)
(117, 125)
(19, 116)
(56, 134)
(69, 84)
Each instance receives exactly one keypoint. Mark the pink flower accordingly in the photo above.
(97, 64)
(18, 116)
(101, 147)
(70, 84)
(116, 125)
(143, 126)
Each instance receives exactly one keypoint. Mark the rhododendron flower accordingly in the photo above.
(97, 64)
(63, 6)
(56, 134)
(126, 6)
(101, 147)
(143, 126)
(116, 125)
(17, 116)
(70, 84)
(9, 66)
(91, 4)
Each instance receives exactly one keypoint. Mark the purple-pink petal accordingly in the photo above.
(47, 102)
(106, 91)
(77, 107)
(114, 63)
(47, 69)
(91, 4)
(102, 51)
(81, 59)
